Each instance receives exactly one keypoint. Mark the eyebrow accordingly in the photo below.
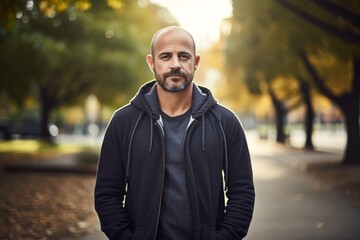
(167, 53)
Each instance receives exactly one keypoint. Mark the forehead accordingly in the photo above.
(173, 40)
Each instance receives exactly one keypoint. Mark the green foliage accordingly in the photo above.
(59, 51)
(73, 53)
(249, 46)
(267, 39)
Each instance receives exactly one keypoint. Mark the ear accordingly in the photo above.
(197, 61)
(150, 62)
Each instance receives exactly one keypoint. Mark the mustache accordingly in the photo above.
(177, 72)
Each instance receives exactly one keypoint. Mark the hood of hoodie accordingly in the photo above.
(147, 101)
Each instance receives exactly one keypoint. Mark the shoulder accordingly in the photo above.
(124, 117)
(126, 112)
(224, 114)
(228, 120)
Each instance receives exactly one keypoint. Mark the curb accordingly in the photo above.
(51, 168)
(70, 163)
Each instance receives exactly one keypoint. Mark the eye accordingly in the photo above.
(165, 57)
(184, 56)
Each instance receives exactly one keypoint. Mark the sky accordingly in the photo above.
(202, 18)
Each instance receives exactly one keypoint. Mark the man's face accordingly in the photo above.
(174, 61)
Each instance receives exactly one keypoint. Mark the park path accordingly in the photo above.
(293, 205)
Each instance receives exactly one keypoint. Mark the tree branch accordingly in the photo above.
(339, 11)
(317, 80)
(345, 35)
(75, 87)
(356, 78)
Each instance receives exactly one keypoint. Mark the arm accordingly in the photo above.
(240, 193)
(110, 187)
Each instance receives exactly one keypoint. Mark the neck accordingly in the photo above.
(175, 104)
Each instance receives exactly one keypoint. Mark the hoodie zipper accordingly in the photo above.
(159, 124)
(160, 127)
(192, 196)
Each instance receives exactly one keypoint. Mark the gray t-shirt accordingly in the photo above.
(175, 214)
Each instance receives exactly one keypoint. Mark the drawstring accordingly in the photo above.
(202, 139)
(226, 161)
(226, 156)
(130, 146)
(151, 133)
(203, 133)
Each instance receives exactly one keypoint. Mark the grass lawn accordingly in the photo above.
(39, 150)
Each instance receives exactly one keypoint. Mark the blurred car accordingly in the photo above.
(5, 129)
(28, 129)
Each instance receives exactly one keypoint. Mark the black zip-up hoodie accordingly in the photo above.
(132, 164)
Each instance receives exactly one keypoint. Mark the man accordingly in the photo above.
(163, 155)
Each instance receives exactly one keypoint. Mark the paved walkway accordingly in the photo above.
(291, 205)
(94, 236)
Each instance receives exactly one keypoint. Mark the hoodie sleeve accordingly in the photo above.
(240, 192)
(110, 187)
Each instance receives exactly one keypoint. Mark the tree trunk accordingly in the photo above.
(46, 106)
(309, 126)
(309, 114)
(280, 113)
(352, 150)
(349, 104)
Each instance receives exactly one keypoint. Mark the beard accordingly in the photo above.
(174, 81)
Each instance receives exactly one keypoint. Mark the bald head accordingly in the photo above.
(171, 30)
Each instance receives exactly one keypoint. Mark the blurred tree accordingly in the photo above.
(66, 53)
(10, 9)
(258, 44)
(345, 13)
(340, 19)
(268, 41)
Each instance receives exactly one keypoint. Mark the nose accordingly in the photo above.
(175, 64)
